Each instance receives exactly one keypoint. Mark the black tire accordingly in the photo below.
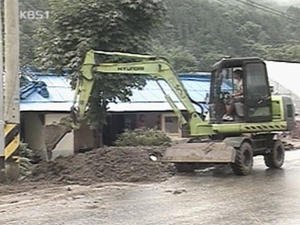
(275, 158)
(184, 167)
(243, 160)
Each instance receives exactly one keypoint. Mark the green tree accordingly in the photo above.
(110, 25)
(28, 26)
(284, 52)
(180, 59)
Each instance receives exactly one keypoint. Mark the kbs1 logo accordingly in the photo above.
(34, 15)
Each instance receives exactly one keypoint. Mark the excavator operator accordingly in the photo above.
(237, 96)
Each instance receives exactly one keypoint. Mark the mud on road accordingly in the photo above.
(113, 164)
(203, 198)
(266, 196)
(71, 181)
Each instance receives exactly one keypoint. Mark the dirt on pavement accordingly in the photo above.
(109, 164)
(104, 165)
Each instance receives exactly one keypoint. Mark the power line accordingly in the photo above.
(258, 6)
(29, 5)
(267, 9)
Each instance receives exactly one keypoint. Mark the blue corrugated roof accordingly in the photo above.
(61, 96)
(58, 87)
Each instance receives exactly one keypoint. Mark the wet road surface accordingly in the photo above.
(264, 197)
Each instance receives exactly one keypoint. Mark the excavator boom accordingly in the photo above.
(158, 69)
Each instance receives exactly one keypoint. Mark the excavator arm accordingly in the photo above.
(158, 69)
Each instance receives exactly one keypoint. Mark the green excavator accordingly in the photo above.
(257, 119)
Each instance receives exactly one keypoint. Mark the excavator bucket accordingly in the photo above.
(205, 152)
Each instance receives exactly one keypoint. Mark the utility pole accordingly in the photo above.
(2, 123)
(11, 19)
(11, 97)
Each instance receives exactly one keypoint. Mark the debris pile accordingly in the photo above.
(288, 146)
(109, 164)
(291, 143)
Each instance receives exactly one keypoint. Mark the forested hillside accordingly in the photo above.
(210, 30)
(196, 33)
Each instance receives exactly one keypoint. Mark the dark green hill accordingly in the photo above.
(196, 33)
(210, 30)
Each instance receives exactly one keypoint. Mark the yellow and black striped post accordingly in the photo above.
(8, 159)
(9, 168)
(12, 140)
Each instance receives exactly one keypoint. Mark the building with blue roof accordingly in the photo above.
(46, 98)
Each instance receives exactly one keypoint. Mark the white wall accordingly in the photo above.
(34, 130)
(34, 133)
(284, 77)
(66, 145)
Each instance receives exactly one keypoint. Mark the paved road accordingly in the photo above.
(265, 197)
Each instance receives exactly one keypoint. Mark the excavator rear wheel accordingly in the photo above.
(275, 158)
(243, 160)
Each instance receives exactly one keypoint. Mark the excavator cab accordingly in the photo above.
(255, 105)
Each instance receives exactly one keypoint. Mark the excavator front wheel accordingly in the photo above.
(275, 158)
(243, 160)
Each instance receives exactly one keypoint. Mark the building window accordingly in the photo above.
(170, 125)
(128, 123)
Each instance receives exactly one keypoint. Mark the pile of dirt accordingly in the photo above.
(291, 144)
(111, 164)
